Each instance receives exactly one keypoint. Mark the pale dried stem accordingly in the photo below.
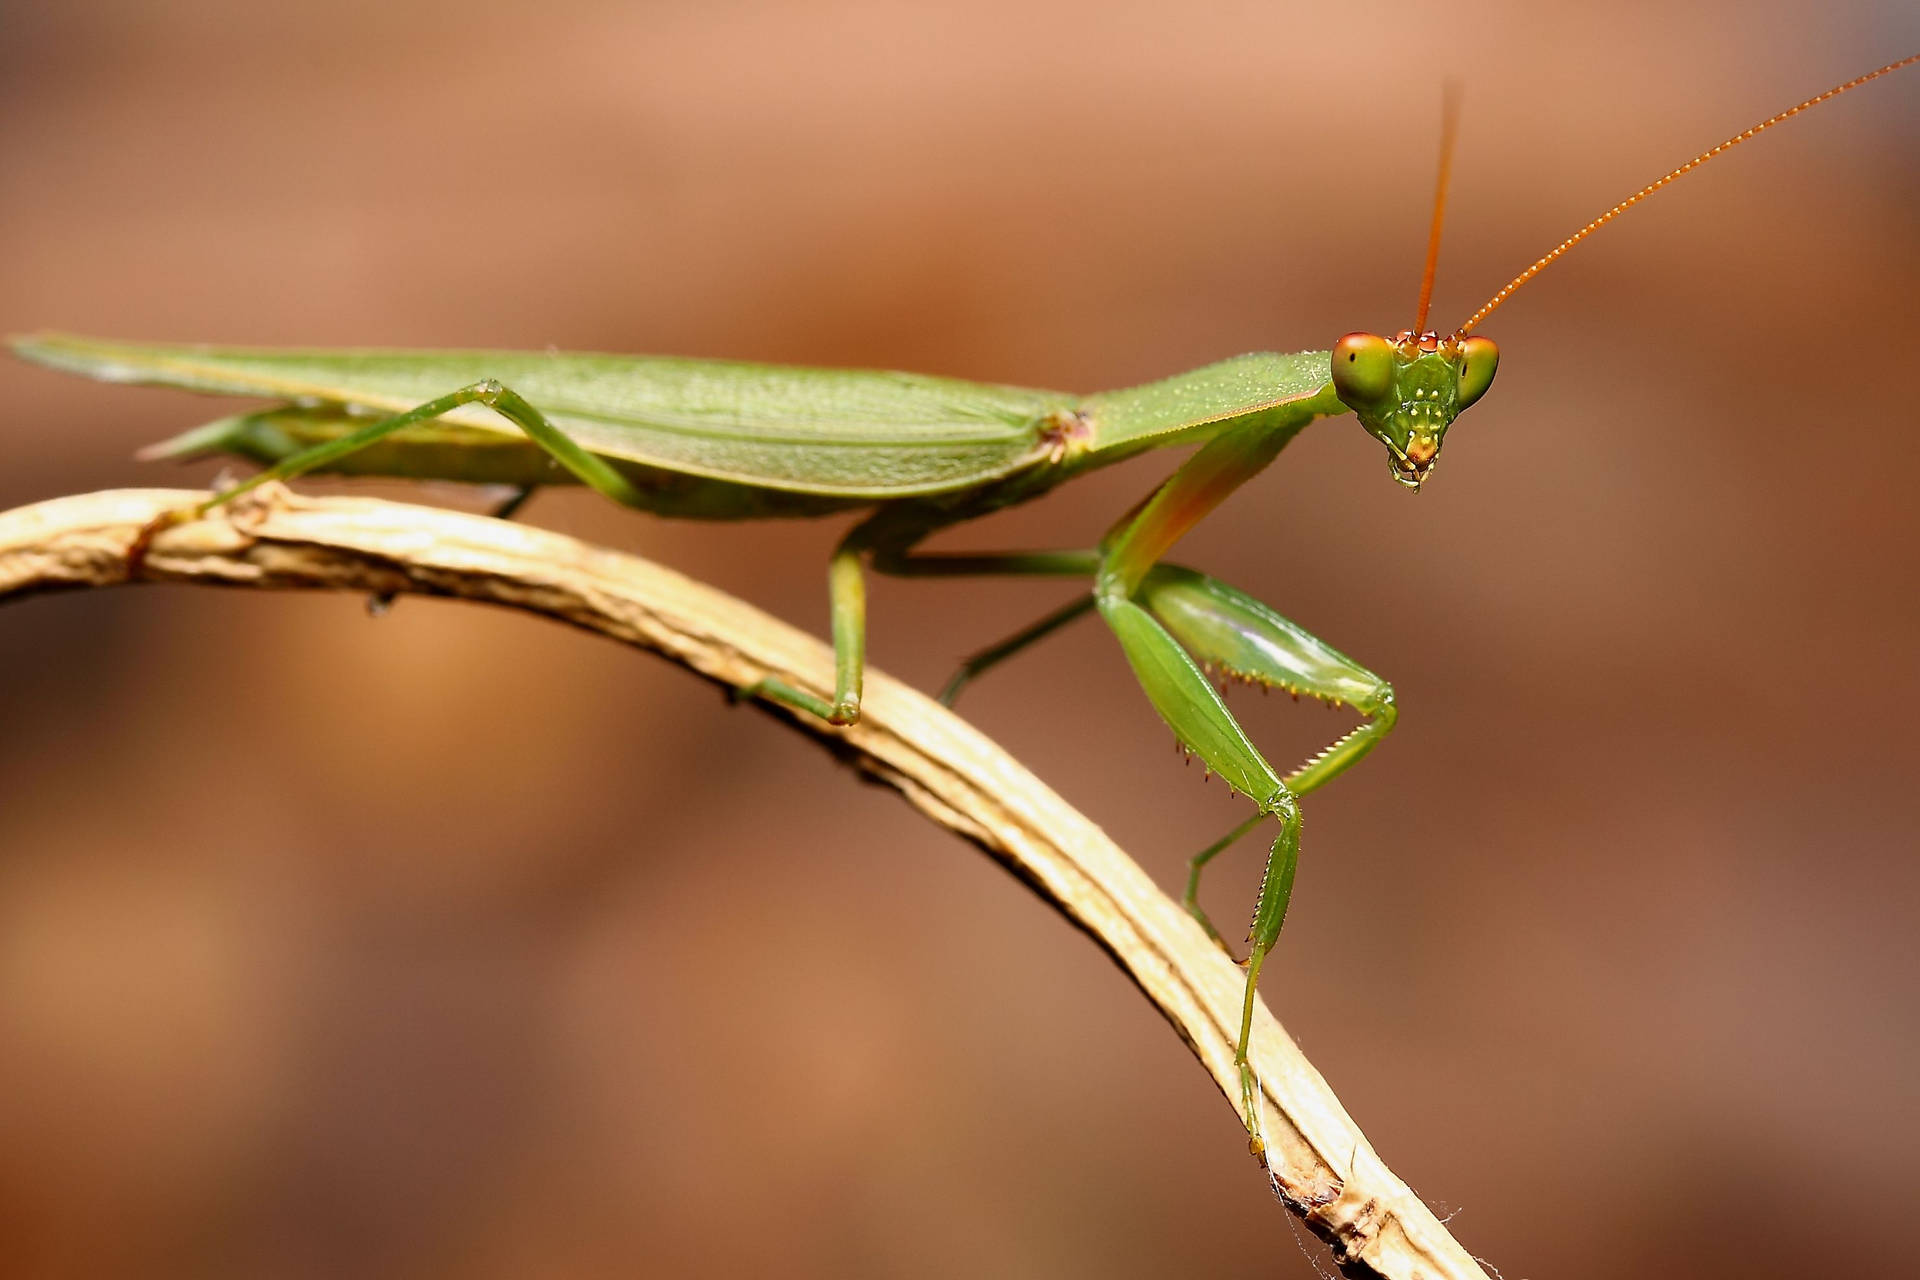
(1321, 1164)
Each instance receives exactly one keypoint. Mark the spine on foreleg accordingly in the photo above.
(1276, 886)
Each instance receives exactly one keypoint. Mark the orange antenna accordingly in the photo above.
(1652, 187)
(1449, 129)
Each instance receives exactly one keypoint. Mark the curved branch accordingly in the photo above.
(1320, 1163)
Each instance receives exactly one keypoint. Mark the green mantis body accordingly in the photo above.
(726, 440)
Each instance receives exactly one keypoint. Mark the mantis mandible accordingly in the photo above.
(726, 440)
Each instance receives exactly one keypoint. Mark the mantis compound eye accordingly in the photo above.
(1362, 369)
(1479, 359)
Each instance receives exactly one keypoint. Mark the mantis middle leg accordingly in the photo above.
(901, 562)
(889, 544)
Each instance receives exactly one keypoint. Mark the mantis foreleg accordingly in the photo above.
(1180, 690)
(1236, 635)
(1164, 616)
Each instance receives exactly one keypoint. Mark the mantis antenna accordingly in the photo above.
(1449, 130)
(1601, 221)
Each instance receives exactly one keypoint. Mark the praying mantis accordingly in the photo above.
(914, 454)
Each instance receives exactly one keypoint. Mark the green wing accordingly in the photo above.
(851, 434)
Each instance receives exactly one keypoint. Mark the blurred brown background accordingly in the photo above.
(455, 944)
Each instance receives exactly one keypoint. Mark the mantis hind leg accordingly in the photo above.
(592, 470)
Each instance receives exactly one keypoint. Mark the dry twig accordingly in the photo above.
(1320, 1162)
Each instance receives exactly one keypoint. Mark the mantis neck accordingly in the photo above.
(1283, 392)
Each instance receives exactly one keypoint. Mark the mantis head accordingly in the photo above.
(1408, 389)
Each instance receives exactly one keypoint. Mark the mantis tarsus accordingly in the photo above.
(725, 440)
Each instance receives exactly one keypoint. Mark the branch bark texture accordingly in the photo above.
(1320, 1163)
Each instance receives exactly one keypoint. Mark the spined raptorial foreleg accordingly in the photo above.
(1199, 718)
(1152, 608)
(1238, 637)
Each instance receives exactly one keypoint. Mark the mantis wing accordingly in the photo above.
(846, 434)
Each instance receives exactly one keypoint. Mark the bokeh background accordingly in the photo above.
(455, 944)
